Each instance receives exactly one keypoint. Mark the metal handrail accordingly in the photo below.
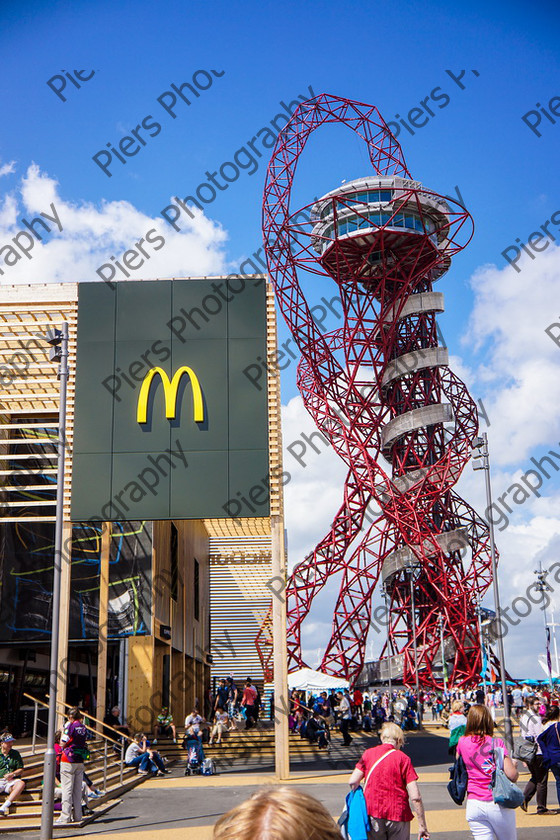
(90, 717)
(105, 756)
(105, 738)
(35, 720)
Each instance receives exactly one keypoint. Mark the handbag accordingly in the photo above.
(457, 785)
(504, 791)
(524, 750)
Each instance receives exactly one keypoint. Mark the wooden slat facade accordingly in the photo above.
(239, 549)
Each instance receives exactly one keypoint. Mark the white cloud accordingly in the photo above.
(7, 168)
(517, 365)
(317, 474)
(91, 234)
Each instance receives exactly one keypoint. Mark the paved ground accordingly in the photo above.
(179, 808)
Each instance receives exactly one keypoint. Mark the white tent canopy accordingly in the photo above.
(308, 680)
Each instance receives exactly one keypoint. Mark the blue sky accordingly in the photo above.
(391, 55)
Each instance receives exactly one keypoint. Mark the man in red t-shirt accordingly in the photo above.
(248, 701)
(358, 701)
(391, 781)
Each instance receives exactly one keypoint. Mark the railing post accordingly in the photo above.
(105, 767)
(35, 716)
(122, 763)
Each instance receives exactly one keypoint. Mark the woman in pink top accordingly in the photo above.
(486, 819)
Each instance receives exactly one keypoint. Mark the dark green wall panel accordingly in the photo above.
(207, 326)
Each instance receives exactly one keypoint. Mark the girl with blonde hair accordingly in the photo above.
(277, 814)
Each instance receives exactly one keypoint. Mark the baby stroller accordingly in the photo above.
(195, 756)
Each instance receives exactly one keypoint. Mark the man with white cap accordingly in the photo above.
(11, 768)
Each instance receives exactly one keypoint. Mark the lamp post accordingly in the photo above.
(443, 665)
(410, 572)
(481, 461)
(389, 653)
(543, 586)
(58, 339)
(481, 638)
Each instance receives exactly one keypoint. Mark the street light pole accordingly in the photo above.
(410, 571)
(481, 637)
(389, 654)
(481, 461)
(443, 665)
(542, 586)
(58, 339)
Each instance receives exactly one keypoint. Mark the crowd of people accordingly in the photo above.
(384, 788)
(384, 783)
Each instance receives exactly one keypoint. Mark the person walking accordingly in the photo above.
(74, 752)
(517, 701)
(456, 723)
(391, 784)
(487, 820)
(549, 742)
(248, 701)
(531, 726)
(344, 709)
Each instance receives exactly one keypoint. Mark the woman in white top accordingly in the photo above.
(531, 725)
(220, 725)
(456, 719)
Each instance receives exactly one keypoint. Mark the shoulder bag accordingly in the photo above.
(504, 791)
(524, 749)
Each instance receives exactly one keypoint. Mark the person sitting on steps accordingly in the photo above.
(141, 756)
(220, 726)
(165, 728)
(11, 768)
(317, 730)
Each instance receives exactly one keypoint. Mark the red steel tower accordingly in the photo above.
(380, 389)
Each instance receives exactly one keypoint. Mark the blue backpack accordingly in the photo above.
(457, 785)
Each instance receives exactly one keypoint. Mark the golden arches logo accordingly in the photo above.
(170, 389)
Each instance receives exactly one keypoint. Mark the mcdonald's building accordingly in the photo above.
(172, 491)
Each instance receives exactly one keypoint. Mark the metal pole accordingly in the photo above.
(47, 808)
(553, 625)
(542, 585)
(481, 637)
(413, 618)
(105, 766)
(486, 466)
(35, 716)
(443, 665)
(389, 654)
(280, 652)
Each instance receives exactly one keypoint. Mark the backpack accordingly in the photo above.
(457, 785)
(208, 767)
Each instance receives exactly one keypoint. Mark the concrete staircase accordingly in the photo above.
(25, 814)
(243, 750)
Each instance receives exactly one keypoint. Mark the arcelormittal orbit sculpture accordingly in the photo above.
(380, 389)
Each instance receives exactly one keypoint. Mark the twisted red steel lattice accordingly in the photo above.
(380, 390)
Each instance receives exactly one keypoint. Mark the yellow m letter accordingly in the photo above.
(170, 388)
